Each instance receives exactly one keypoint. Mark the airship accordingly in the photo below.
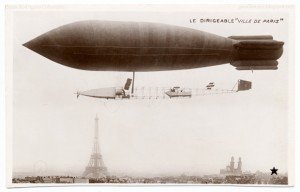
(142, 47)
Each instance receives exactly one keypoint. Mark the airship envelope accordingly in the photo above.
(141, 46)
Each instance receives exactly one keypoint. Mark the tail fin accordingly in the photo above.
(127, 84)
(256, 52)
(244, 85)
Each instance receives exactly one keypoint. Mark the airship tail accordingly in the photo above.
(256, 52)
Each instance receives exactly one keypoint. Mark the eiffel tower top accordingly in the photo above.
(96, 136)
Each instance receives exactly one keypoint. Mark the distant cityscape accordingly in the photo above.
(265, 179)
(226, 176)
(97, 172)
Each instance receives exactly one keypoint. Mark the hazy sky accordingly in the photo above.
(192, 136)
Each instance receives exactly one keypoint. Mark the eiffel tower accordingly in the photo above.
(96, 167)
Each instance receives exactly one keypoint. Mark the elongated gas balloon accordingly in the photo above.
(139, 46)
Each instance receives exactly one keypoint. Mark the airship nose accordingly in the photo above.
(27, 45)
(39, 45)
(32, 45)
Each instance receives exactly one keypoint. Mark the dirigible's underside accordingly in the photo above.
(138, 46)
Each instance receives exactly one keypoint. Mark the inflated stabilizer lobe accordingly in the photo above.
(260, 53)
(255, 64)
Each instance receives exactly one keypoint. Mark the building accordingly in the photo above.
(231, 170)
(66, 180)
(81, 180)
(49, 180)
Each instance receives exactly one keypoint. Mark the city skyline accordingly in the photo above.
(45, 172)
(79, 174)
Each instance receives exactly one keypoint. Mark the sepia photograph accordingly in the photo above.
(149, 95)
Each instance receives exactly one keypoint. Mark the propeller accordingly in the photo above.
(77, 93)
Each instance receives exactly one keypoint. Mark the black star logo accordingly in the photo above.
(274, 171)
